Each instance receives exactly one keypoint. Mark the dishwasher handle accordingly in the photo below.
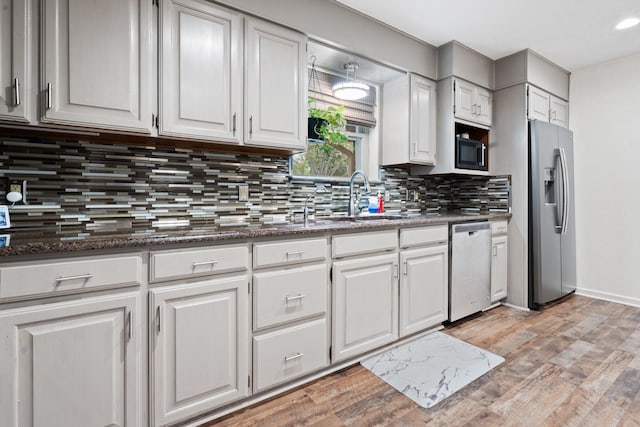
(470, 228)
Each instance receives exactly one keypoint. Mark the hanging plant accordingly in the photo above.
(330, 125)
(327, 124)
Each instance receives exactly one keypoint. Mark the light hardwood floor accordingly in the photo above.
(574, 364)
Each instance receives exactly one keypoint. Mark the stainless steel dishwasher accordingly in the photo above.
(470, 269)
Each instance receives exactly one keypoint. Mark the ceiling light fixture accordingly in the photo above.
(350, 89)
(627, 23)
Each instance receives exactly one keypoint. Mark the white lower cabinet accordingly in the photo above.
(424, 282)
(289, 353)
(74, 363)
(499, 258)
(423, 288)
(290, 306)
(365, 304)
(200, 347)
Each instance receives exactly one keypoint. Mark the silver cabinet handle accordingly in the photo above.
(234, 124)
(495, 250)
(288, 299)
(198, 264)
(16, 93)
(406, 268)
(396, 271)
(294, 357)
(158, 319)
(130, 322)
(479, 109)
(484, 154)
(49, 100)
(78, 277)
(294, 253)
(250, 126)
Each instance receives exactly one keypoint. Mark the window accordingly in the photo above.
(360, 151)
(334, 161)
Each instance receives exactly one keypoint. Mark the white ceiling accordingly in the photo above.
(571, 33)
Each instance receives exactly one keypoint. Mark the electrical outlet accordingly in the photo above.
(387, 195)
(16, 188)
(416, 196)
(243, 193)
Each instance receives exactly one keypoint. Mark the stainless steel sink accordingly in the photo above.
(358, 218)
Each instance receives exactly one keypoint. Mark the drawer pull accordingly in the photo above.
(294, 357)
(288, 299)
(78, 277)
(294, 253)
(198, 264)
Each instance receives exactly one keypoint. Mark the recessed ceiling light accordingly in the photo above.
(627, 23)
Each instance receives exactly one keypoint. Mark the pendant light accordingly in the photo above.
(350, 89)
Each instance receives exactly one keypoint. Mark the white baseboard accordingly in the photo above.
(621, 299)
(506, 304)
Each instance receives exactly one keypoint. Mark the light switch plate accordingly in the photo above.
(243, 193)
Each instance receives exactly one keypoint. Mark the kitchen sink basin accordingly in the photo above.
(358, 218)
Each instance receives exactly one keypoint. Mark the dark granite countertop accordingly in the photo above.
(44, 242)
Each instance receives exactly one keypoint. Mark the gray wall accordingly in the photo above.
(334, 24)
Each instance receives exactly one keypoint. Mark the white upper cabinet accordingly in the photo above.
(14, 54)
(538, 104)
(200, 71)
(472, 103)
(275, 89)
(96, 70)
(546, 107)
(409, 121)
(559, 111)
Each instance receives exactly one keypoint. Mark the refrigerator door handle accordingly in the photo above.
(559, 210)
(565, 190)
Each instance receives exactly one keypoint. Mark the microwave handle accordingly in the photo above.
(484, 154)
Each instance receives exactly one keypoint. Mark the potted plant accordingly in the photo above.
(327, 124)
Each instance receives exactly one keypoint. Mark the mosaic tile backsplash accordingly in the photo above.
(84, 187)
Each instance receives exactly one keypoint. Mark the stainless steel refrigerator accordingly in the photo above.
(552, 242)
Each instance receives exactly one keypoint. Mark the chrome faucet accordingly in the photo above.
(366, 189)
(318, 189)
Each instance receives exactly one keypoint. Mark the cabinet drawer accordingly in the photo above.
(363, 243)
(289, 353)
(423, 236)
(66, 275)
(289, 252)
(498, 227)
(283, 296)
(178, 264)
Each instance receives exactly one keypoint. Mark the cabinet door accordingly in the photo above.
(538, 108)
(498, 268)
(483, 106)
(200, 71)
(365, 305)
(275, 91)
(96, 68)
(423, 288)
(71, 364)
(464, 100)
(559, 111)
(14, 54)
(200, 354)
(423, 121)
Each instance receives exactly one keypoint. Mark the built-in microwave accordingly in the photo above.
(471, 154)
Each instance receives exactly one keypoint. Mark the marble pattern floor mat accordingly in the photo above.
(432, 367)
